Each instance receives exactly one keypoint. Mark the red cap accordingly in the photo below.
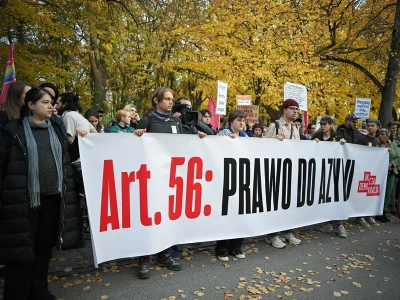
(289, 102)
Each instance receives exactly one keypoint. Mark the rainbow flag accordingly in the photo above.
(9, 76)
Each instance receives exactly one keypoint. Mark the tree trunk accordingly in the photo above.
(99, 74)
(389, 89)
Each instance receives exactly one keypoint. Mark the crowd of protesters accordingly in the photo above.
(41, 187)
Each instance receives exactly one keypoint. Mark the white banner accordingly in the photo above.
(222, 93)
(145, 194)
(362, 108)
(296, 92)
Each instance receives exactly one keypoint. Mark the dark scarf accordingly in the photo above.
(161, 115)
(33, 158)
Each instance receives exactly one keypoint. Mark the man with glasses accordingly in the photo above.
(281, 129)
(348, 131)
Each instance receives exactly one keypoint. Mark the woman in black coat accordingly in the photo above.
(37, 193)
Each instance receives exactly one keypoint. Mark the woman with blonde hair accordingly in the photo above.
(134, 115)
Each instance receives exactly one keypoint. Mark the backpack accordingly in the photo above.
(150, 121)
(277, 129)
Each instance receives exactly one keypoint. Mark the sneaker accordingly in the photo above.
(223, 258)
(143, 272)
(275, 242)
(341, 231)
(291, 239)
(327, 227)
(168, 262)
(371, 221)
(362, 222)
(239, 254)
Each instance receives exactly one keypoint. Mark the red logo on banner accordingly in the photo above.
(369, 186)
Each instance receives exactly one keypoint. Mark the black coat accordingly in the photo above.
(351, 135)
(15, 237)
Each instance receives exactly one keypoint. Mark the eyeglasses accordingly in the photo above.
(293, 108)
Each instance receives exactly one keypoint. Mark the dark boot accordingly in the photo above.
(387, 220)
(164, 259)
(144, 272)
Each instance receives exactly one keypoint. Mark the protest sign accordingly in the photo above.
(148, 193)
(252, 112)
(222, 93)
(296, 92)
(362, 108)
(243, 99)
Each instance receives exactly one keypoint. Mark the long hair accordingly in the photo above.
(13, 103)
(91, 112)
(33, 95)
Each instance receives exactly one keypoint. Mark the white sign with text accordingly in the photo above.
(222, 94)
(296, 92)
(362, 108)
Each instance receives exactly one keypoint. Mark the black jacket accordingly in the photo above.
(319, 135)
(15, 237)
(351, 135)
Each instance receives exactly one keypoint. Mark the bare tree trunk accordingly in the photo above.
(99, 74)
(389, 89)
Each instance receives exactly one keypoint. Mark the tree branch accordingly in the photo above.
(377, 83)
(127, 9)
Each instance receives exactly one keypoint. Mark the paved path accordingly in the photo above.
(366, 265)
